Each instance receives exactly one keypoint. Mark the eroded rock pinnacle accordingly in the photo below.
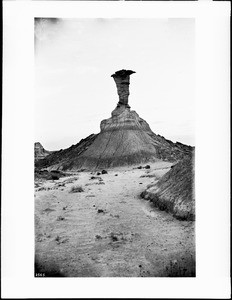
(122, 80)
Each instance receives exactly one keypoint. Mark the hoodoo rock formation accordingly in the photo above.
(122, 80)
(124, 139)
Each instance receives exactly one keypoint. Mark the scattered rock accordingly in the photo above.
(48, 210)
(115, 216)
(60, 240)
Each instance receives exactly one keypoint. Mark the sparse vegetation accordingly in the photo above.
(148, 175)
(113, 237)
(55, 177)
(76, 189)
(57, 239)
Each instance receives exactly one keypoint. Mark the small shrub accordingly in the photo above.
(113, 237)
(55, 171)
(147, 167)
(76, 189)
(57, 239)
(60, 218)
(98, 173)
(140, 167)
(104, 172)
(54, 177)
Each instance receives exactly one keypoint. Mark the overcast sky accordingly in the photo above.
(74, 59)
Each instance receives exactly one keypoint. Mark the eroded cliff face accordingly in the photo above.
(123, 118)
(174, 192)
(39, 151)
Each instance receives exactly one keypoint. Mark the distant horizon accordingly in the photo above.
(74, 61)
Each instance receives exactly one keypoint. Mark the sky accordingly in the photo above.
(74, 90)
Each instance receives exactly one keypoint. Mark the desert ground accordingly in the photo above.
(89, 225)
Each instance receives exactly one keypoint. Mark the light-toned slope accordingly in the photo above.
(174, 192)
(108, 230)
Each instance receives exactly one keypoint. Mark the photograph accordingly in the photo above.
(114, 147)
(115, 153)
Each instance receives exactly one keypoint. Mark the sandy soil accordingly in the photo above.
(108, 230)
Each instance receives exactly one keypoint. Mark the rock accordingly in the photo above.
(122, 80)
(125, 139)
(39, 151)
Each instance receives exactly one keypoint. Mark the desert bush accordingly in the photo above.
(54, 177)
(113, 237)
(104, 172)
(76, 189)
